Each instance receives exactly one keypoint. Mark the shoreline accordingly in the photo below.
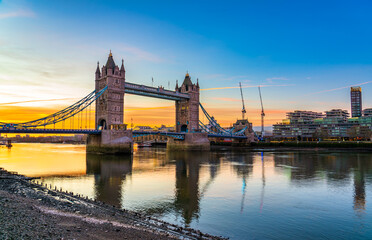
(296, 146)
(36, 211)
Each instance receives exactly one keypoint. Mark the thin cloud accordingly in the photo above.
(335, 89)
(247, 86)
(226, 99)
(271, 80)
(146, 108)
(222, 77)
(32, 101)
(15, 14)
(142, 54)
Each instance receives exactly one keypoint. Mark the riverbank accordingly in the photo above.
(32, 211)
(295, 146)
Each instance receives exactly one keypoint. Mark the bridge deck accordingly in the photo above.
(51, 131)
(146, 91)
(179, 135)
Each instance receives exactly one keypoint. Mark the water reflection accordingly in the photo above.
(110, 172)
(337, 168)
(270, 195)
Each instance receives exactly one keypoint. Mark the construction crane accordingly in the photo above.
(241, 92)
(262, 113)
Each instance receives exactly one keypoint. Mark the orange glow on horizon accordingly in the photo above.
(149, 116)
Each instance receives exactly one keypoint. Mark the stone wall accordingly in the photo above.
(111, 141)
(192, 142)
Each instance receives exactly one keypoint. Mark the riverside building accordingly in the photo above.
(356, 101)
(335, 124)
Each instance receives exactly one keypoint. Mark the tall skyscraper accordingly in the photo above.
(356, 101)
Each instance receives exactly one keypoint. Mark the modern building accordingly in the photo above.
(367, 112)
(337, 113)
(333, 124)
(298, 123)
(356, 101)
(303, 116)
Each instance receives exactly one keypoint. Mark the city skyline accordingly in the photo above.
(48, 57)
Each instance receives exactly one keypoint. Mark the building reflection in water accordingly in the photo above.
(337, 167)
(359, 186)
(187, 192)
(110, 171)
(243, 166)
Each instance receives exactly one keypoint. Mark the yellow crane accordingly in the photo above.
(262, 113)
(241, 92)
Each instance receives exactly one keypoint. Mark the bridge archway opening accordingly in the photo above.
(102, 124)
(184, 128)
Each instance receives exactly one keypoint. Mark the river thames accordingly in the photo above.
(240, 195)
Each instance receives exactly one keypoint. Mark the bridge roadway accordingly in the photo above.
(178, 135)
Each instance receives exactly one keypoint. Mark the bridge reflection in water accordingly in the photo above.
(111, 173)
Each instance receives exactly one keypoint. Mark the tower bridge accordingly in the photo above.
(111, 135)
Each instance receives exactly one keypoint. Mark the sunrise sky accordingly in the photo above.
(304, 55)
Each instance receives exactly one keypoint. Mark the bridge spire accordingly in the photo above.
(98, 72)
(122, 69)
(110, 64)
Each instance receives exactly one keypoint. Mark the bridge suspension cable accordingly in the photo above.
(216, 128)
(67, 113)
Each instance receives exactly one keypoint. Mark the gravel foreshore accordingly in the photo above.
(31, 211)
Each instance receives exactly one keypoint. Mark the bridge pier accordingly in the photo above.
(111, 141)
(193, 142)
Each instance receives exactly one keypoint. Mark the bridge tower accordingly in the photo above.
(110, 105)
(187, 111)
(114, 138)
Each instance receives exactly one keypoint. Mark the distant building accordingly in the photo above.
(337, 113)
(144, 128)
(297, 124)
(356, 101)
(335, 124)
(303, 116)
(367, 112)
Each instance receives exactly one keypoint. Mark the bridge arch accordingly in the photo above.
(102, 124)
(184, 128)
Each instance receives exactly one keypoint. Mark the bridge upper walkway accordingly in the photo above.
(159, 92)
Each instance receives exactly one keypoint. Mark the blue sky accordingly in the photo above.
(305, 54)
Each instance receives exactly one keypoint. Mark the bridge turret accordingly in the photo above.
(98, 72)
(110, 65)
(187, 111)
(122, 69)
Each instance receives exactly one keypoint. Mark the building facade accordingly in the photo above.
(356, 101)
(334, 124)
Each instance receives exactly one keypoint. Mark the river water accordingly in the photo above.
(241, 195)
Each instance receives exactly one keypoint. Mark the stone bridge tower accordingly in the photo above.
(110, 105)
(187, 111)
